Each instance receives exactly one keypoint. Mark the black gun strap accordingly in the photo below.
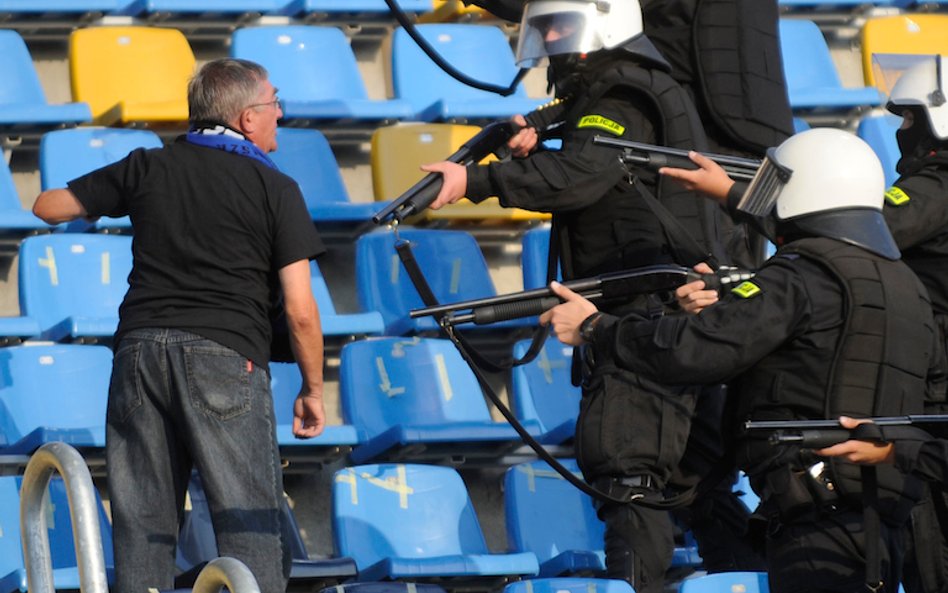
(681, 241)
(872, 528)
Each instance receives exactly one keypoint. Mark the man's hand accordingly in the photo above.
(710, 179)
(309, 417)
(692, 297)
(862, 452)
(523, 142)
(454, 182)
(566, 317)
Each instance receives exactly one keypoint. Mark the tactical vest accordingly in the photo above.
(879, 368)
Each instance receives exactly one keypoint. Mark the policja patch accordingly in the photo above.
(895, 196)
(746, 289)
(601, 123)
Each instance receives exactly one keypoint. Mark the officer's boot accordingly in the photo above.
(639, 546)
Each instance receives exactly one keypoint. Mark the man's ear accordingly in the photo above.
(247, 121)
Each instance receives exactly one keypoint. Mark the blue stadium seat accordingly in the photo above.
(23, 106)
(72, 284)
(56, 7)
(385, 587)
(335, 324)
(879, 132)
(747, 495)
(197, 546)
(479, 51)
(412, 522)
(837, 4)
(61, 542)
(305, 155)
(67, 154)
(745, 582)
(316, 72)
(534, 257)
(574, 543)
(569, 585)
(53, 392)
(542, 391)
(15, 221)
(451, 261)
(334, 442)
(812, 79)
(363, 8)
(416, 399)
(213, 9)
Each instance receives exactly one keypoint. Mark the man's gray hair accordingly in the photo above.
(223, 88)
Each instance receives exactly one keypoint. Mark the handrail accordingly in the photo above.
(83, 512)
(225, 572)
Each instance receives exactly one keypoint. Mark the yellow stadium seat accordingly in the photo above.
(132, 74)
(915, 33)
(447, 11)
(399, 151)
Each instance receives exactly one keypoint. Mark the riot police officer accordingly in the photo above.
(833, 324)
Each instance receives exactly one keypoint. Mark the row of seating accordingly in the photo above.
(207, 8)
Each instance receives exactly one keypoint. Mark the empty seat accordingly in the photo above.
(573, 544)
(416, 399)
(23, 106)
(370, 9)
(812, 79)
(61, 542)
(415, 522)
(215, 9)
(72, 284)
(914, 33)
(68, 154)
(132, 74)
(317, 75)
(305, 155)
(446, 11)
(451, 261)
(399, 151)
(569, 585)
(743, 582)
(879, 132)
(534, 258)
(15, 220)
(54, 392)
(335, 324)
(481, 52)
(541, 391)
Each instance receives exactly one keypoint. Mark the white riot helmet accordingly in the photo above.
(554, 27)
(916, 81)
(823, 182)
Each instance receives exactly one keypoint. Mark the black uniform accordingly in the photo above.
(784, 341)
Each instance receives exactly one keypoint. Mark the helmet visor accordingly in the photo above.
(922, 86)
(761, 195)
(554, 28)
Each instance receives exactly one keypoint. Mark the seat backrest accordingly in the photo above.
(387, 382)
(879, 132)
(452, 263)
(533, 493)
(807, 62)
(542, 389)
(569, 585)
(745, 582)
(131, 65)
(305, 155)
(398, 151)
(914, 33)
(307, 63)
(9, 199)
(71, 274)
(52, 385)
(21, 84)
(321, 290)
(70, 153)
(402, 511)
(534, 258)
(482, 52)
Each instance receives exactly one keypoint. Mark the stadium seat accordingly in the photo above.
(534, 257)
(214, 9)
(480, 51)
(314, 88)
(197, 546)
(72, 284)
(67, 154)
(879, 132)
(132, 75)
(451, 261)
(416, 399)
(398, 153)
(59, 7)
(836, 4)
(542, 391)
(15, 220)
(812, 80)
(345, 325)
(305, 155)
(53, 392)
(914, 33)
(335, 441)
(363, 9)
(574, 544)
(23, 106)
(446, 11)
(413, 522)
(746, 494)
(569, 585)
(61, 542)
(726, 582)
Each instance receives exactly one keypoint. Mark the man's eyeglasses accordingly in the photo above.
(274, 103)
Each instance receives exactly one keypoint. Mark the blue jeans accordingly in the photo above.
(177, 401)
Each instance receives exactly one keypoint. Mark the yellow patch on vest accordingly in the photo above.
(896, 197)
(601, 123)
(746, 290)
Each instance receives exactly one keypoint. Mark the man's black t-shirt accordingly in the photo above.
(211, 231)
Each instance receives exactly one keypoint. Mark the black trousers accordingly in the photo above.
(639, 545)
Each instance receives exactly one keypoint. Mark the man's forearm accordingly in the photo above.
(55, 206)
